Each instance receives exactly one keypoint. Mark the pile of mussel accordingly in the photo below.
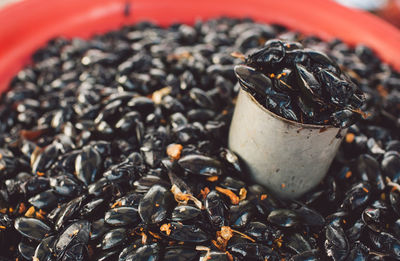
(302, 85)
(115, 148)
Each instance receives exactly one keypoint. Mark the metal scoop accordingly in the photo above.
(287, 157)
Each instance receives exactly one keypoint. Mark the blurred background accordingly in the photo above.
(6, 2)
(388, 10)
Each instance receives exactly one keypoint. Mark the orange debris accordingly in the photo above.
(212, 178)
(350, 137)
(116, 204)
(234, 199)
(21, 208)
(30, 212)
(166, 228)
(238, 55)
(204, 192)
(242, 194)
(174, 151)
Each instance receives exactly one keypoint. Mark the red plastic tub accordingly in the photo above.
(27, 25)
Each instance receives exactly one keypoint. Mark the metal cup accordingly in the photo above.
(287, 157)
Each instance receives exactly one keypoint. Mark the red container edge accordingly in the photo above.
(29, 24)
